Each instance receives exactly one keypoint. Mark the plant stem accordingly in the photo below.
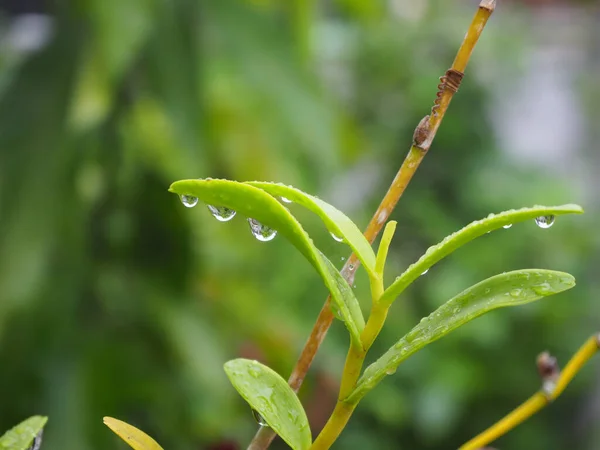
(538, 400)
(334, 426)
(417, 152)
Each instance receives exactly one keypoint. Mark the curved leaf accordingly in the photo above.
(258, 204)
(465, 235)
(269, 395)
(507, 289)
(336, 221)
(137, 439)
(23, 435)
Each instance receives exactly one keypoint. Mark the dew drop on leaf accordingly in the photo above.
(390, 371)
(285, 200)
(189, 201)
(336, 312)
(507, 226)
(259, 419)
(221, 213)
(426, 270)
(261, 232)
(337, 238)
(544, 221)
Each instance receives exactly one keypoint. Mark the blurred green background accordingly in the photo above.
(117, 300)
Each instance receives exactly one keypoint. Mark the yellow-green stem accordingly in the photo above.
(374, 325)
(334, 426)
(538, 400)
(352, 368)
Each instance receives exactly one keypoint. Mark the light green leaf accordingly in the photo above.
(137, 439)
(258, 204)
(507, 289)
(336, 221)
(270, 396)
(467, 234)
(21, 437)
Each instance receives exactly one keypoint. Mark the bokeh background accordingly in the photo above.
(117, 300)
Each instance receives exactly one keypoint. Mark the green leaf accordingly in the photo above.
(269, 395)
(21, 437)
(258, 204)
(136, 439)
(507, 289)
(465, 235)
(336, 221)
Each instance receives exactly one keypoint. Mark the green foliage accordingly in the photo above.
(467, 234)
(507, 289)
(22, 436)
(266, 391)
(336, 222)
(272, 398)
(114, 299)
(259, 205)
(137, 439)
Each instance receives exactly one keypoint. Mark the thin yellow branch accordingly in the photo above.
(538, 400)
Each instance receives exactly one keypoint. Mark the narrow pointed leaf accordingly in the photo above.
(336, 221)
(507, 289)
(23, 436)
(467, 234)
(137, 439)
(270, 395)
(258, 204)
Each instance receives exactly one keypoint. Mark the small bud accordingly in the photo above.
(549, 372)
(547, 365)
(421, 132)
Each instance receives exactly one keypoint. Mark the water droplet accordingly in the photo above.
(189, 201)
(336, 312)
(391, 371)
(426, 270)
(285, 200)
(343, 258)
(221, 213)
(544, 221)
(354, 286)
(516, 293)
(337, 238)
(259, 419)
(261, 232)
(507, 226)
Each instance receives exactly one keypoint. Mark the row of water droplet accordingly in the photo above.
(264, 233)
(223, 214)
